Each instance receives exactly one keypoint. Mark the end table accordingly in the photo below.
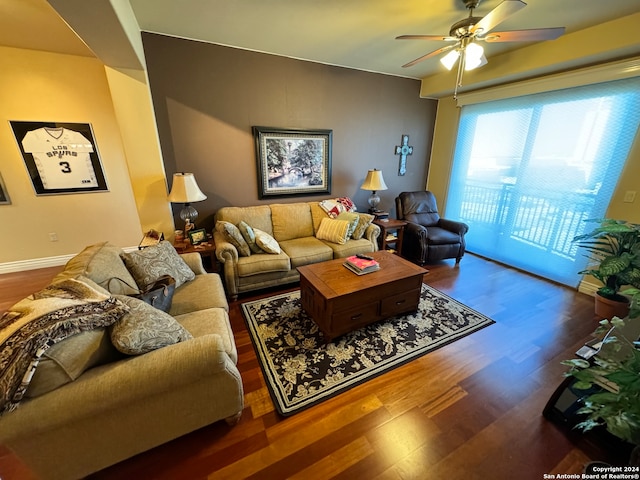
(207, 251)
(387, 238)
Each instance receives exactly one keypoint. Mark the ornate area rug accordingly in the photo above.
(301, 370)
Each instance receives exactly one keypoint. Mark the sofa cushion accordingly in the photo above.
(336, 231)
(263, 263)
(232, 235)
(257, 216)
(364, 220)
(266, 242)
(304, 251)
(352, 247)
(205, 291)
(213, 321)
(145, 328)
(102, 264)
(249, 237)
(317, 215)
(291, 220)
(67, 360)
(149, 264)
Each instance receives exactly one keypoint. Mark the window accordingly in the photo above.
(529, 170)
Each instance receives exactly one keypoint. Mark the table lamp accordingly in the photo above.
(185, 190)
(375, 183)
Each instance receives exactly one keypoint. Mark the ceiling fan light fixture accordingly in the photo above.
(474, 56)
(449, 60)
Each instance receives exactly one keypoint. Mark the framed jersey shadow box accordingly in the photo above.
(60, 157)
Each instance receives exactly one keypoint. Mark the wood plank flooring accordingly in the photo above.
(470, 410)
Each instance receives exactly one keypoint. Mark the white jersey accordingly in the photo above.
(62, 157)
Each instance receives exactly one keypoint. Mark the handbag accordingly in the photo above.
(159, 294)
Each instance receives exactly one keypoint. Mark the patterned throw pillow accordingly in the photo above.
(364, 220)
(232, 235)
(145, 328)
(352, 218)
(249, 237)
(266, 242)
(149, 264)
(334, 231)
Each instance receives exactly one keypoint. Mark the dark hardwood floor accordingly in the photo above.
(470, 410)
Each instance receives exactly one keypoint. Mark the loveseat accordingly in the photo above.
(89, 405)
(300, 239)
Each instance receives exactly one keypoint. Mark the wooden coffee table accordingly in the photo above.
(339, 301)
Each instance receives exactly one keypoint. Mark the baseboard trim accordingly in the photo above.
(46, 262)
(588, 288)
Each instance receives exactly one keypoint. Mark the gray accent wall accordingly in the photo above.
(207, 98)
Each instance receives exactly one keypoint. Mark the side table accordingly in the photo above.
(387, 240)
(206, 250)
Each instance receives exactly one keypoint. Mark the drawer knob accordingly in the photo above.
(355, 317)
(400, 302)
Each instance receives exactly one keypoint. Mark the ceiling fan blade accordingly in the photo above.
(524, 35)
(496, 16)
(440, 38)
(429, 55)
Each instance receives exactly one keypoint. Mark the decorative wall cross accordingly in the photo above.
(403, 150)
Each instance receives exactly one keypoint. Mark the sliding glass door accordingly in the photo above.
(529, 170)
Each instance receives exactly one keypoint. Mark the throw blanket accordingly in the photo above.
(39, 321)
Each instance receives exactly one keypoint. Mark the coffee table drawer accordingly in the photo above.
(400, 303)
(354, 318)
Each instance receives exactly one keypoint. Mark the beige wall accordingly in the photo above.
(207, 98)
(134, 113)
(41, 86)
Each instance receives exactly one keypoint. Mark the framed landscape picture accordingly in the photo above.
(60, 157)
(292, 161)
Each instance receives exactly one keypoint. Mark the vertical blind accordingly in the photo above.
(528, 171)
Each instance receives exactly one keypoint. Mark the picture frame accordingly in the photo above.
(4, 195)
(293, 162)
(198, 236)
(60, 157)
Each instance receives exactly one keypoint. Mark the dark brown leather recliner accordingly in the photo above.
(427, 237)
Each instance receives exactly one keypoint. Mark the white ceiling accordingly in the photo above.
(351, 33)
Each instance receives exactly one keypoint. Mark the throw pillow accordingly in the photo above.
(151, 263)
(334, 231)
(364, 220)
(266, 242)
(102, 264)
(145, 328)
(65, 361)
(352, 218)
(249, 237)
(232, 235)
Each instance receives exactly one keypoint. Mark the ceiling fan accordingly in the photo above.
(468, 32)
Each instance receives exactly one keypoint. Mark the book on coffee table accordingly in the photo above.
(361, 266)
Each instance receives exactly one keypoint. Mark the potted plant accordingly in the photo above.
(614, 252)
(616, 370)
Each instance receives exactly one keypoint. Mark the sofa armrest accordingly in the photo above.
(116, 385)
(194, 261)
(372, 233)
(457, 227)
(225, 251)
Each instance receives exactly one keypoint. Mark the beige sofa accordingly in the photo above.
(132, 403)
(294, 226)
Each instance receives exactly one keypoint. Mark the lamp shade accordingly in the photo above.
(374, 181)
(185, 189)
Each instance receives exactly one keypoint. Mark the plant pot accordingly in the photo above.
(607, 308)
